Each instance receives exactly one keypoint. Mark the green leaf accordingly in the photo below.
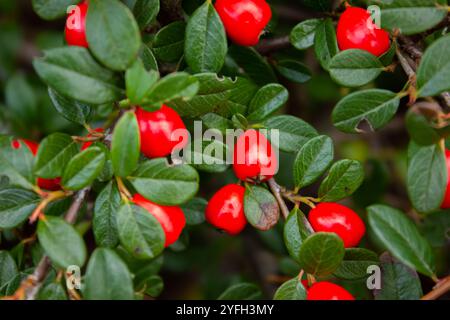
(194, 211)
(241, 291)
(70, 109)
(16, 164)
(82, 170)
(16, 205)
(154, 286)
(401, 237)
(207, 156)
(302, 35)
(73, 72)
(294, 71)
(148, 58)
(126, 145)
(224, 96)
(325, 43)
(145, 12)
(168, 43)
(139, 232)
(295, 232)
(139, 81)
(112, 33)
(261, 208)
(107, 277)
(291, 290)
(61, 242)
(344, 178)
(165, 184)
(52, 291)
(266, 101)
(433, 75)
(206, 41)
(410, 16)
(313, 160)
(104, 222)
(321, 254)
(52, 9)
(355, 264)
(215, 122)
(398, 282)
(374, 106)
(54, 154)
(8, 271)
(427, 178)
(294, 132)
(21, 99)
(354, 68)
(420, 123)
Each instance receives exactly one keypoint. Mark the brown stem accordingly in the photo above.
(276, 191)
(441, 288)
(274, 44)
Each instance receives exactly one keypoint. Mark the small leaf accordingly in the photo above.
(52, 291)
(154, 286)
(401, 237)
(294, 71)
(70, 109)
(241, 291)
(125, 145)
(207, 156)
(8, 272)
(52, 9)
(139, 81)
(325, 43)
(313, 160)
(164, 184)
(145, 12)
(420, 124)
(295, 232)
(148, 58)
(16, 205)
(344, 178)
(321, 254)
(355, 264)
(61, 242)
(291, 290)
(266, 101)
(168, 43)
(302, 36)
(194, 211)
(261, 208)
(139, 232)
(206, 41)
(21, 99)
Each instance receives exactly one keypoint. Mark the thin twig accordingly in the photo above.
(276, 191)
(274, 44)
(410, 47)
(405, 65)
(441, 288)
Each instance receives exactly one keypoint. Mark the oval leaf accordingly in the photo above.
(295, 232)
(168, 43)
(52, 9)
(266, 101)
(16, 205)
(325, 43)
(261, 208)
(302, 36)
(291, 290)
(294, 71)
(241, 291)
(70, 109)
(355, 264)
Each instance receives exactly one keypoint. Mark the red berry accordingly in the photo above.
(157, 131)
(446, 203)
(244, 20)
(225, 210)
(327, 291)
(333, 217)
(46, 184)
(254, 157)
(171, 219)
(89, 143)
(76, 26)
(356, 30)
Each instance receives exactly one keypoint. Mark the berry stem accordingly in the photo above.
(441, 288)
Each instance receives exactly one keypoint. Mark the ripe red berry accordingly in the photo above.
(254, 157)
(46, 184)
(225, 210)
(244, 20)
(356, 30)
(76, 26)
(172, 219)
(333, 217)
(89, 143)
(327, 291)
(157, 131)
(446, 203)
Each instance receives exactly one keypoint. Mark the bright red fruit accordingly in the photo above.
(157, 131)
(46, 184)
(89, 143)
(254, 157)
(446, 203)
(327, 291)
(356, 30)
(225, 210)
(244, 20)
(171, 219)
(334, 217)
(76, 26)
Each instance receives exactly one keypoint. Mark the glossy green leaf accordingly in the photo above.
(215, 122)
(261, 208)
(70, 109)
(194, 211)
(325, 43)
(355, 263)
(266, 101)
(295, 232)
(16, 205)
(8, 272)
(294, 71)
(302, 35)
(241, 291)
(207, 156)
(291, 290)
(419, 122)
(52, 9)
(168, 43)
(145, 12)
(139, 81)
(148, 58)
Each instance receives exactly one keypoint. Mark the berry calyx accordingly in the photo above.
(89, 143)
(356, 30)
(172, 219)
(225, 210)
(75, 30)
(244, 20)
(334, 217)
(327, 291)
(46, 184)
(254, 157)
(161, 131)
(446, 202)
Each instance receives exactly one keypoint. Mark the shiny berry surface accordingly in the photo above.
(254, 157)
(334, 217)
(356, 30)
(327, 291)
(172, 219)
(244, 20)
(76, 26)
(157, 131)
(225, 210)
(446, 203)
